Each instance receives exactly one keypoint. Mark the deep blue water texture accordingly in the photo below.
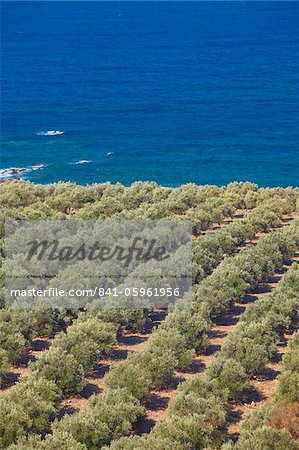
(174, 92)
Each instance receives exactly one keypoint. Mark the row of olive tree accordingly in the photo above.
(201, 204)
(208, 250)
(61, 197)
(18, 327)
(275, 425)
(239, 274)
(74, 352)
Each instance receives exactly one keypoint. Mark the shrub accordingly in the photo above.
(28, 407)
(252, 356)
(136, 380)
(85, 428)
(291, 359)
(56, 365)
(155, 366)
(103, 334)
(288, 381)
(266, 438)
(288, 387)
(12, 341)
(4, 366)
(147, 442)
(31, 442)
(171, 341)
(58, 441)
(207, 410)
(130, 319)
(190, 325)
(110, 416)
(203, 387)
(229, 374)
(192, 431)
(14, 422)
(159, 364)
(257, 418)
(252, 344)
(84, 350)
(38, 398)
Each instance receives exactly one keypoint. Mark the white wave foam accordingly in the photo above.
(50, 133)
(82, 161)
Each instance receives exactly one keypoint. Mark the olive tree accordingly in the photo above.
(62, 368)
(229, 374)
(110, 416)
(4, 366)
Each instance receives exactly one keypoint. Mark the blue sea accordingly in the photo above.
(173, 92)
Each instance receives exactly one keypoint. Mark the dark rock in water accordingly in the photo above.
(17, 171)
(12, 171)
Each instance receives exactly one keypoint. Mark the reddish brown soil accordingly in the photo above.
(20, 368)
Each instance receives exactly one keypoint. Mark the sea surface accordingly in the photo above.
(174, 92)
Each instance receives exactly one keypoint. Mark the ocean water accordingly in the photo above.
(174, 92)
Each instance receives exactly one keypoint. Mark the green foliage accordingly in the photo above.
(110, 416)
(166, 350)
(171, 341)
(197, 414)
(77, 344)
(87, 339)
(58, 441)
(266, 438)
(203, 387)
(62, 368)
(4, 366)
(28, 407)
(146, 442)
(230, 375)
(31, 442)
(291, 360)
(288, 386)
(288, 381)
(251, 345)
(190, 325)
(13, 422)
(103, 334)
(191, 431)
(20, 325)
(257, 419)
(38, 397)
(125, 376)
(208, 409)
(12, 341)
(129, 319)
